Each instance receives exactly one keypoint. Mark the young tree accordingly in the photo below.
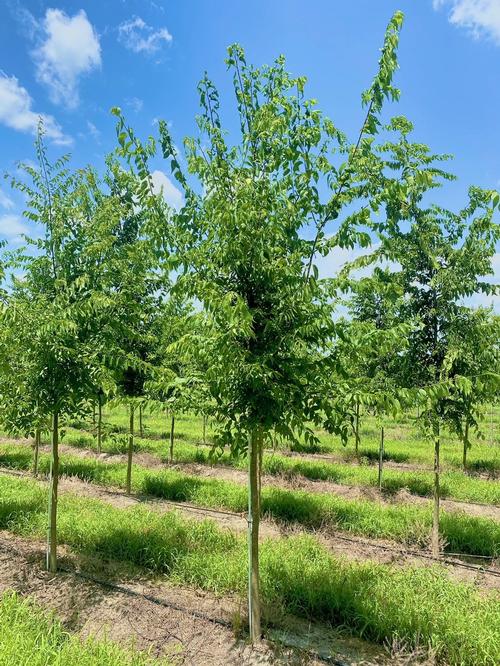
(477, 357)
(442, 258)
(245, 252)
(50, 308)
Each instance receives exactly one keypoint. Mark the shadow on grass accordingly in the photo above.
(372, 456)
(16, 510)
(480, 466)
(21, 460)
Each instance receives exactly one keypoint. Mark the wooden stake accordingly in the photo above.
(380, 458)
(435, 515)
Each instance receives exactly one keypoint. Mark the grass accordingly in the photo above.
(454, 484)
(404, 523)
(30, 635)
(421, 606)
(403, 443)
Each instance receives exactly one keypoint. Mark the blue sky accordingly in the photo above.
(72, 61)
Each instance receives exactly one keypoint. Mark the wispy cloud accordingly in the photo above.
(16, 111)
(162, 184)
(135, 104)
(12, 227)
(136, 35)
(480, 17)
(93, 131)
(70, 48)
(5, 201)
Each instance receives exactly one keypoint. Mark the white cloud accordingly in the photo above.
(139, 37)
(93, 131)
(71, 48)
(331, 265)
(479, 17)
(12, 226)
(488, 300)
(163, 184)
(16, 111)
(135, 104)
(6, 201)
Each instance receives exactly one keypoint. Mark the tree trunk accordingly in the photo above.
(99, 425)
(356, 431)
(466, 442)
(380, 458)
(171, 450)
(141, 429)
(130, 449)
(36, 451)
(53, 483)
(254, 478)
(435, 515)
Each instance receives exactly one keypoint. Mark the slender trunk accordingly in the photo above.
(435, 515)
(356, 431)
(99, 425)
(466, 441)
(53, 483)
(380, 458)
(254, 479)
(171, 450)
(36, 451)
(141, 429)
(130, 449)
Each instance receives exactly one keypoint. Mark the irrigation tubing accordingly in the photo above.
(353, 487)
(340, 537)
(123, 589)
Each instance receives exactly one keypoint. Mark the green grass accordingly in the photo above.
(404, 523)
(31, 636)
(454, 484)
(421, 606)
(403, 442)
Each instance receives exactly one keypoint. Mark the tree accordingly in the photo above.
(477, 358)
(245, 253)
(51, 308)
(442, 257)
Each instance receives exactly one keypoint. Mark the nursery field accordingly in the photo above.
(249, 376)
(335, 550)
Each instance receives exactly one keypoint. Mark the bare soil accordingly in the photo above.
(189, 627)
(296, 483)
(340, 544)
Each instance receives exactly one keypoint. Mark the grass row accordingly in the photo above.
(404, 523)
(404, 444)
(30, 635)
(420, 606)
(454, 484)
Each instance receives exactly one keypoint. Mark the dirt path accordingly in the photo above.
(388, 464)
(191, 628)
(340, 544)
(296, 483)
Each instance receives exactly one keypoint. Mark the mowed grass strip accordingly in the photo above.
(30, 635)
(405, 523)
(404, 443)
(420, 606)
(454, 484)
